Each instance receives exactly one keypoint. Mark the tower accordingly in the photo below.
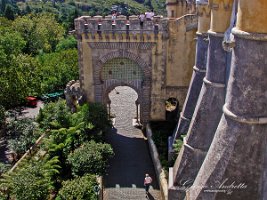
(176, 8)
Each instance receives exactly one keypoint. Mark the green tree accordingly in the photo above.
(9, 12)
(54, 115)
(21, 135)
(13, 90)
(2, 116)
(97, 114)
(80, 188)
(32, 181)
(3, 5)
(58, 69)
(70, 130)
(90, 158)
(67, 43)
(41, 32)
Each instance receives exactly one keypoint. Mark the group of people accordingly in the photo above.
(146, 16)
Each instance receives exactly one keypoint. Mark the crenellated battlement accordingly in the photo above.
(104, 26)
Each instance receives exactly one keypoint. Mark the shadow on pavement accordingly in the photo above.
(130, 163)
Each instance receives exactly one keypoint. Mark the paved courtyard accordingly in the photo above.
(125, 175)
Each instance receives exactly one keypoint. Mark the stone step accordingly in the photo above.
(130, 194)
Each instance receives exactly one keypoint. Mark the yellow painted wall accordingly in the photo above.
(181, 54)
(88, 82)
(252, 16)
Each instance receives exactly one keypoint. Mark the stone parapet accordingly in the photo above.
(121, 24)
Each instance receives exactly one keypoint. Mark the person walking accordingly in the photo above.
(147, 183)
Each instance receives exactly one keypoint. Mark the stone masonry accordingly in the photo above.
(151, 49)
(224, 152)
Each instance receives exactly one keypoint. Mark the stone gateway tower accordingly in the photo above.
(154, 58)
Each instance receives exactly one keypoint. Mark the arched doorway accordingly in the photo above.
(123, 71)
(123, 107)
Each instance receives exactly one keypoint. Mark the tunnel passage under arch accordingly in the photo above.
(124, 70)
(123, 107)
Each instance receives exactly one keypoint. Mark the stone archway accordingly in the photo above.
(107, 99)
(133, 73)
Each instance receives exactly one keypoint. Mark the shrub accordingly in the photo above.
(80, 188)
(4, 168)
(54, 115)
(178, 145)
(32, 180)
(2, 116)
(90, 158)
(98, 116)
(22, 134)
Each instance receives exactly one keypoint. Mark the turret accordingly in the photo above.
(176, 8)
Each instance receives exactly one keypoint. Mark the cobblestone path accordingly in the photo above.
(125, 176)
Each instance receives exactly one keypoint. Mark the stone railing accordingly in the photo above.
(161, 176)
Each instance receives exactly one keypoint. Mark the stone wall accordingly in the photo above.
(153, 46)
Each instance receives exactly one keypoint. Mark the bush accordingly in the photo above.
(2, 116)
(67, 43)
(90, 158)
(178, 145)
(80, 188)
(54, 116)
(22, 134)
(32, 180)
(4, 168)
(98, 116)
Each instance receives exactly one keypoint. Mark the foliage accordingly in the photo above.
(63, 141)
(9, 12)
(33, 180)
(54, 115)
(24, 75)
(161, 132)
(68, 43)
(40, 31)
(2, 116)
(80, 188)
(4, 168)
(22, 134)
(67, 11)
(70, 130)
(178, 145)
(18, 71)
(91, 158)
(58, 69)
(98, 115)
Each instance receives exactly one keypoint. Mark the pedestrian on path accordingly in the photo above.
(147, 182)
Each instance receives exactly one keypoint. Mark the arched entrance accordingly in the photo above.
(124, 70)
(124, 107)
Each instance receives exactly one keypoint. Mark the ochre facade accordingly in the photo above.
(164, 50)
